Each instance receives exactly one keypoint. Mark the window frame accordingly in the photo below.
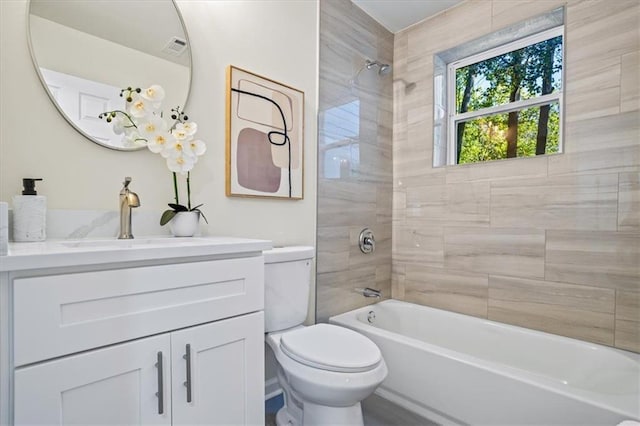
(453, 118)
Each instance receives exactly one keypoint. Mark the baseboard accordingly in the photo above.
(271, 388)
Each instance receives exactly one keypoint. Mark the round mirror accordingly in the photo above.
(85, 52)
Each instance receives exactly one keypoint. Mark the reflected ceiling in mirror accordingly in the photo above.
(85, 52)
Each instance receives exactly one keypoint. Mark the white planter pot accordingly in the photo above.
(185, 224)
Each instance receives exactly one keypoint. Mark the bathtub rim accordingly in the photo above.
(349, 319)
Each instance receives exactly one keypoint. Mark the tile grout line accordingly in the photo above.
(615, 310)
(620, 86)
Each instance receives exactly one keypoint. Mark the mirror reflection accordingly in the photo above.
(85, 52)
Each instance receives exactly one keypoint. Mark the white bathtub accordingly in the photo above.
(457, 369)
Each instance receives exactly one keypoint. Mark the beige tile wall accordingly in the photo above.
(361, 196)
(550, 243)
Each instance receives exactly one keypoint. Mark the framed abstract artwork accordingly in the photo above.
(265, 128)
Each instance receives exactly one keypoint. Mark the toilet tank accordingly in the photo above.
(287, 281)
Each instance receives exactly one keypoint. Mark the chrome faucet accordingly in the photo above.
(369, 292)
(128, 200)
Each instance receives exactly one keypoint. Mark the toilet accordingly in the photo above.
(324, 370)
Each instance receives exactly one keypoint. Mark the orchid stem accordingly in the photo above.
(188, 191)
(175, 187)
(133, 124)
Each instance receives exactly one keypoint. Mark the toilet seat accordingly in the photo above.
(332, 348)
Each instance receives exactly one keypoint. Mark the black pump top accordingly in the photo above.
(29, 185)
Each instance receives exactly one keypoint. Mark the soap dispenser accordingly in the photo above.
(29, 213)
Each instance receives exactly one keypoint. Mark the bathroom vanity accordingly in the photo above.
(149, 331)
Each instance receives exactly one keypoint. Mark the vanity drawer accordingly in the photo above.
(61, 314)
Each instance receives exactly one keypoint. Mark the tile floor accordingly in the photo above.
(378, 411)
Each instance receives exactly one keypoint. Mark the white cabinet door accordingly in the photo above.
(117, 385)
(227, 372)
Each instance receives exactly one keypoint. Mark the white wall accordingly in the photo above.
(276, 39)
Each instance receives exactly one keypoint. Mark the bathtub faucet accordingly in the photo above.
(369, 292)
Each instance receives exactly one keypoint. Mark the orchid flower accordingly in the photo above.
(142, 123)
(189, 128)
(155, 132)
(140, 107)
(197, 147)
(181, 164)
(153, 94)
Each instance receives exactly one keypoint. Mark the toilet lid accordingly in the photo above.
(332, 348)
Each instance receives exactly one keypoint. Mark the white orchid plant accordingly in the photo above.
(142, 123)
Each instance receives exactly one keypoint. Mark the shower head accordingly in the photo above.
(383, 69)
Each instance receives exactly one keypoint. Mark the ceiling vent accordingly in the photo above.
(175, 47)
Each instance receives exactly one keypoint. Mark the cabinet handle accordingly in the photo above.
(160, 393)
(187, 383)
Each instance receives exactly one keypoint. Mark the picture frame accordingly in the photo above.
(264, 137)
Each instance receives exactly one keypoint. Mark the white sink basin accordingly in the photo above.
(62, 253)
(135, 243)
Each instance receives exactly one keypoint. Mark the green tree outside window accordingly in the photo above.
(525, 126)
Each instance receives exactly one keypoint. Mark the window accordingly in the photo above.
(507, 101)
(497, 98)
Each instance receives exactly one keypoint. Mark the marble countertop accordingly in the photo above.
(65, 253)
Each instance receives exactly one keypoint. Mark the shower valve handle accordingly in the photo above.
(367, 242)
